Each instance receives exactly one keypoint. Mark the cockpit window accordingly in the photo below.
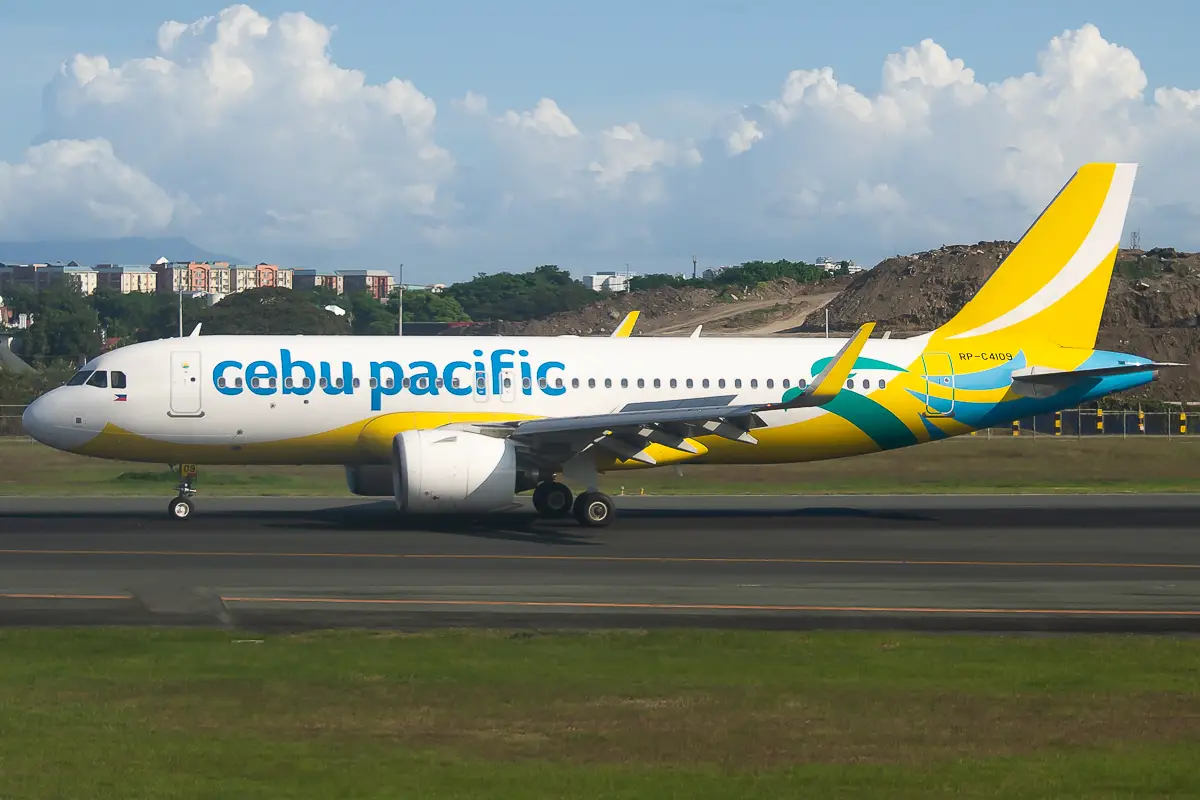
(99, 379)
(118, 379)
(80, 377)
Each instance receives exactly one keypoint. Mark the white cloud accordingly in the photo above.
(242, 133)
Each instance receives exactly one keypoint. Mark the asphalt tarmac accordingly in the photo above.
(983, 563)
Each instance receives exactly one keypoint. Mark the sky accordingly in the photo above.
(459, 137)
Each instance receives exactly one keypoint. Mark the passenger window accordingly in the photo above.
(287, 383)
(721, 383)
(454, 383)
(770, 383)
(404, 383)
(339, 383)
(850, 384)
(508, 383)
(558, 384)
(591, 383)
(525, 383)
(624, 383)
(608, 383)
(438, 383)
(674, 383)
(99, 379)
(641, 383)
(237, 382)
(324, 382)
(882, 383)
(802, 383)
(358, 383)
(374, 382)
(574, 383)
(704, 383)
(118, 380)
(754, 383)
(737, 383)
(271, 383)
(391, 383)
(254, 383)
(80, 378)
(866, 384)
(220, 383)
(541, 383)
(786, 383)
(307, 382)
(689, 383)
(657, 383)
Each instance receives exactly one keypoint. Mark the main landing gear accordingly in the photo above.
(554, 500)
(182, 506)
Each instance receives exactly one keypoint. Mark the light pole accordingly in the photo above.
(693, 268)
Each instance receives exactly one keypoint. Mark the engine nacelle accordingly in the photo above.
(449, 471)
(370, 480)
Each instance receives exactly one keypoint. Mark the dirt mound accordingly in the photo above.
(678, 310)
(1153, 306)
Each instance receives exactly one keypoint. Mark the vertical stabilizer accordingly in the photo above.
(1054, 283)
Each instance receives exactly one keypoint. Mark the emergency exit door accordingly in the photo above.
(185, 384)
(939, 384)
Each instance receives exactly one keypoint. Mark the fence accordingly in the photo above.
(1076, 422)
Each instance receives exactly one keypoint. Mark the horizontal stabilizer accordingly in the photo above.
(1038, 381)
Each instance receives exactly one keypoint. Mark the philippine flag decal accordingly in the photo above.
(119, 398)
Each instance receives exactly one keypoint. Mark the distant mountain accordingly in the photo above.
(128, 250)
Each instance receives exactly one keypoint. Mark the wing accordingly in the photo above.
(628, 432)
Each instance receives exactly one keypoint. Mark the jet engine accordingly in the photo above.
(450, 471)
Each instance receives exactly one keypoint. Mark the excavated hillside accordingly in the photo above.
(761, 310)
(1153, 306)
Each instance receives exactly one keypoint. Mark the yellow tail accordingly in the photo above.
(1053, 285)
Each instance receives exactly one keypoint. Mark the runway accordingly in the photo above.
(1039, 563)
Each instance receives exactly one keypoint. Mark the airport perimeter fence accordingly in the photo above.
(1182, 420)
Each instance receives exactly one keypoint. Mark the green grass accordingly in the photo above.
(967, 464)
(196, 714)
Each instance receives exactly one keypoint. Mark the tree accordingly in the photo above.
(66, 326)
(423, 306)
(523, 296)
(271, 310)
(369, 317)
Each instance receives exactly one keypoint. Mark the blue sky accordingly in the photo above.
(674, 67)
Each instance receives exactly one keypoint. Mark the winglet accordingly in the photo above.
(829, 382)
(626, 327)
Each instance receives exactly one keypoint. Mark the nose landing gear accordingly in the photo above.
(182, 506)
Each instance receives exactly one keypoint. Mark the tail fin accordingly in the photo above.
(1054, 283)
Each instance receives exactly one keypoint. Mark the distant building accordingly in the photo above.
(376, 282)
(832, 265)
(607, 281)
(712, 273)
(242, 278)
(304, 279)
(126, 278)
(273, 275)
(192, 276)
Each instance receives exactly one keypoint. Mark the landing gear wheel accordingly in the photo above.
(553, 499)
(594, 509)
(181, 508)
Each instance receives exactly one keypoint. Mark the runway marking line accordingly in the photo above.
(620, 559)
(706, 606)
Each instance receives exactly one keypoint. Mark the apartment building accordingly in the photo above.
(125, 278)
(312, 278)
(377, 282)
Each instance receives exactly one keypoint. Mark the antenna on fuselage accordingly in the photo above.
(195, 331)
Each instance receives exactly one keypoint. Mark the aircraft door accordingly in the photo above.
(508, 385)
(185, 384)
(939, 384)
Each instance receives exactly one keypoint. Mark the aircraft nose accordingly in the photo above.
(52, 420)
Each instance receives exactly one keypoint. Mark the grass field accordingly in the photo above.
(969, 464)
(200, 714)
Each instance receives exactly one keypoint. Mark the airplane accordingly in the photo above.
(461, 425)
